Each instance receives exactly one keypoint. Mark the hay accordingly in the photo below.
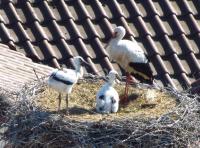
(34, 124)
(144, 101)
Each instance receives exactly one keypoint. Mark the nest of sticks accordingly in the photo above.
(5, 104)
(33, 125)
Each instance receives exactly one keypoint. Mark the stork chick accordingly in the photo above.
(107, 98)
(64, 80)
(130, 56)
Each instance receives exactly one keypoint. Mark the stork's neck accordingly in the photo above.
(79, 71)
(110, 82)
(114, 41)
(117, 39)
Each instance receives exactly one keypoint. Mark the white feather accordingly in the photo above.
(115, 106)
(109, 94)
(69, 75)
(64, 80)
(125, 51)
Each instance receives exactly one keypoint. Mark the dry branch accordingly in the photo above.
(30, 126)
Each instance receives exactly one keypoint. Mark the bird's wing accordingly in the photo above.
(115, 105)
(127, 50)
(142, 72)
(136, 53)
(132, 45)
(68, 77)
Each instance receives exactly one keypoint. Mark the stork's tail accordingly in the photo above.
(142, 72)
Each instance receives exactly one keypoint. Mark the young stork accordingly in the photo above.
(107, 98)
(130, 56)
(64, 80)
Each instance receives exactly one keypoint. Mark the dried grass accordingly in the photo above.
(82, 102)
(35, 123)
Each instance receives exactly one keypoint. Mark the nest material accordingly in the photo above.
(143, 101)
(6, 101)
(33, 126)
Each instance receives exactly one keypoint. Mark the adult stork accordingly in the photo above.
(130, 56)
(64, 80)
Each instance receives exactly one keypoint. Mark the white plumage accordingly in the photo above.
(124, 51)
(130, 56)
(64, 80)
(107, 98)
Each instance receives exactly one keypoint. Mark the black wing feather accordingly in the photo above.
(142, 72)
(53, 76)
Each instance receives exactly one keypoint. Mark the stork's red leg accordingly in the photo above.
(125, 97)
(129, 80)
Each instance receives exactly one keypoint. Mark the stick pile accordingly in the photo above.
(30, 126)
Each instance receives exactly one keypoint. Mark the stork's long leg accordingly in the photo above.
(59, 101)
(67, 103)
(126, 87)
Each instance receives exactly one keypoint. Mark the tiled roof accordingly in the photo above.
(52, 31)
(16, 69)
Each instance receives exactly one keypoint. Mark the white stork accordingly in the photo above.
(107, 98)
(130, 56)
(64, 80)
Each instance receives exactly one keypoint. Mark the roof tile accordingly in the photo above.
(5, 35)
(141, 26)
(88, 31)
(14, 15)
(150, 46)
(113, 8)
(185, 45)
(177, 66)
(132, 8)
(194, 6)
(48, 14)
(92, 66)
(30, 51)
(65, 50)
(52, 32)
(150, 8)
(184, 6)
(34, 13)
(168, 81)
(63, 10)
(98, 48)
(83, 11)
(159, 65)
(175, 25)
(172, 7)
(193, 63)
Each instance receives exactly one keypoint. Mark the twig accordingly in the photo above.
(36, 74)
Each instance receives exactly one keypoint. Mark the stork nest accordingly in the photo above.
(152, 118)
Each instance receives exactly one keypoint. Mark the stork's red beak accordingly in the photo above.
(114, 34)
